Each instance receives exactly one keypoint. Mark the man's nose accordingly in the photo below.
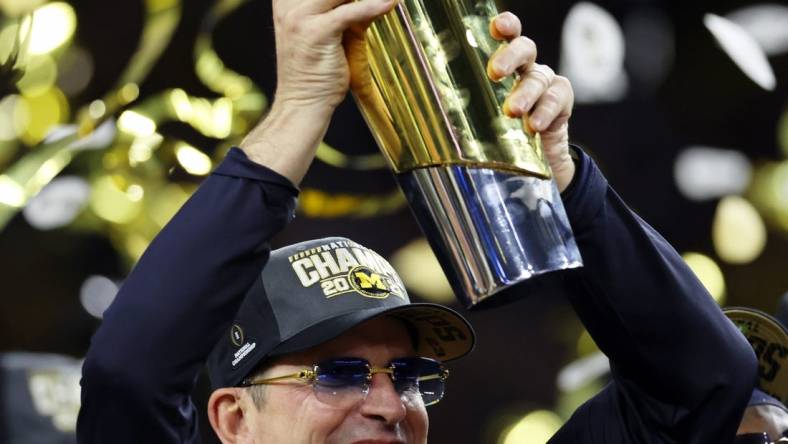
(383, 403)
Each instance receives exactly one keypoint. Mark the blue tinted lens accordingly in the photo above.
(343, 373)
(341, 382)
(344, 381)
(422, 374)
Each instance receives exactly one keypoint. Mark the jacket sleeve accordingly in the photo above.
(682, 373)
(145, 358)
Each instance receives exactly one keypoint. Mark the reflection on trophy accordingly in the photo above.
(476, 179)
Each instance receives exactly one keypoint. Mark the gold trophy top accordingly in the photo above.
(426, 96)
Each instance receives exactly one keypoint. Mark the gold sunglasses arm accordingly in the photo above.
(303, 375)
(443, 375)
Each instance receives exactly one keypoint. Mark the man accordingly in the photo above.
(766, 418)
(765, 421)
(290, 367)
(334, 308)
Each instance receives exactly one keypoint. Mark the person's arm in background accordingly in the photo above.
(683, 373)
(144, 360)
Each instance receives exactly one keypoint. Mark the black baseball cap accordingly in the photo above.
(311, 292)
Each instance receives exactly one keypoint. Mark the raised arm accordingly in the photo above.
(682, 372)
(144, 360)
(145, 357)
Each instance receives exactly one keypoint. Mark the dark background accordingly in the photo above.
(703, 99)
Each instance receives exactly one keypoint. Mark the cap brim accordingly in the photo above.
(746, 313)
(441, 333)
(758, 397)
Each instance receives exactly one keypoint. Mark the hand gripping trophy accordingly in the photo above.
(476, 179)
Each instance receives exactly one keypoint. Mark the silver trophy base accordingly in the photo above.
(491, 230)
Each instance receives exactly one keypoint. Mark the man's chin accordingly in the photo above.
(379, 441)
(383, 438)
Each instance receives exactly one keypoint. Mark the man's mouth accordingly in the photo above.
(380, 441)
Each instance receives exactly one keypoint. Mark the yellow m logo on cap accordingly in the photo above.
(370, 281)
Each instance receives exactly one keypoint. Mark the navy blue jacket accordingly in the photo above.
(682, 372)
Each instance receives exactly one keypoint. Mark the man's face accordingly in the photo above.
(764, 418)
(291, 413)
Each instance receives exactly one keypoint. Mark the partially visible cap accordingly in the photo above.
(39, 398)
(769, 340)
(314, 291)
(758, 397)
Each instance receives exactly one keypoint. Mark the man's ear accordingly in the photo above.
(227, 415)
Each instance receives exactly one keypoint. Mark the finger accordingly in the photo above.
(555, 104)
(311, 7)
(532, 85)
(555, 141)
(518, 55)
(294, 16)
(361, 12)
(505, 26)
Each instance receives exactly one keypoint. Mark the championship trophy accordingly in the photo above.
(476, 180)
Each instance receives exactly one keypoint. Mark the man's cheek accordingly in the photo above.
(287, 415)
(417, 425)
(323, 422)
(340, 428)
